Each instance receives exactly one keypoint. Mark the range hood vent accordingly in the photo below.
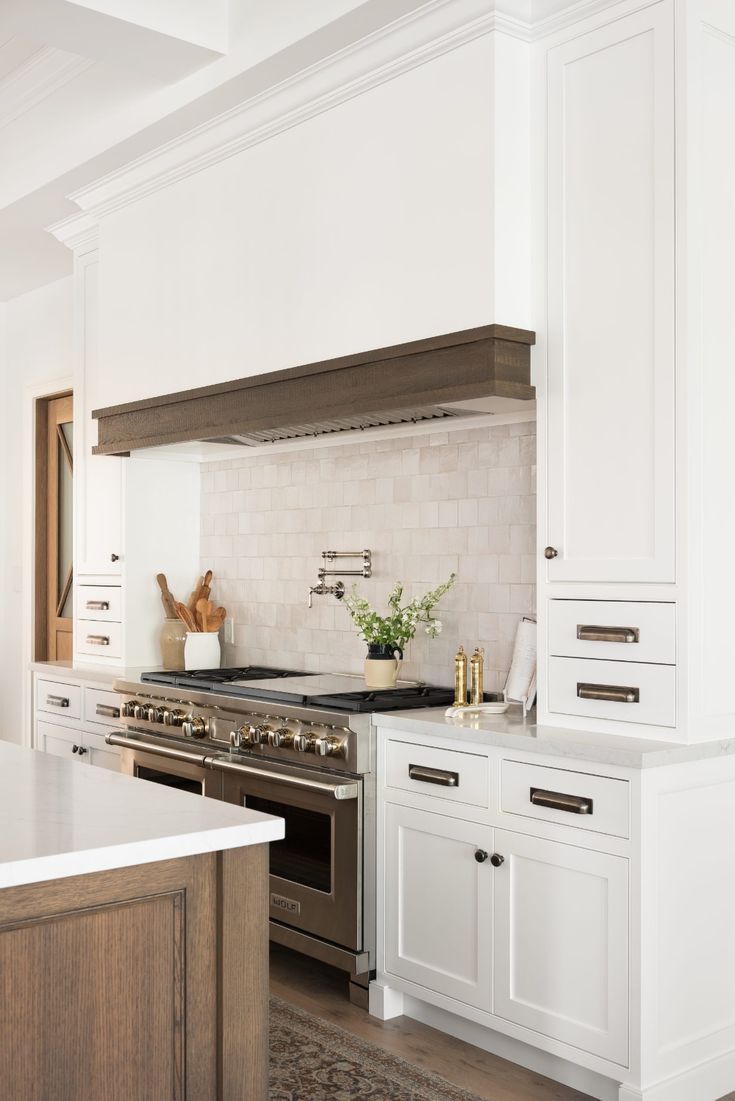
(342, 424)
(433, 379)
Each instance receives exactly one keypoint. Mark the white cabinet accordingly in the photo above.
(438, 903)
(611, 317)
(98, 499)
(71, 719)
(561, 943)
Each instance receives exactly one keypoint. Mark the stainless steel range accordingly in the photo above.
(301, 746)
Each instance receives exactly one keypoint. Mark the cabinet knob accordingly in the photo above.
(114, 557)
(551, 552)
(75, 749)
(496, 860)
(480, 856)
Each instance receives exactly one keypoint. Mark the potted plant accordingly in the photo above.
(387, 635)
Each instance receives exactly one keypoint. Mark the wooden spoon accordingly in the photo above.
(216, 620)
(192, 603)
(204, 610)
(186, 617)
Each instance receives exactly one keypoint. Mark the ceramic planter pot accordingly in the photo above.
(382, 666)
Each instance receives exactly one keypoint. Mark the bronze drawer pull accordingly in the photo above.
(108, 711)
(591, 633)
(98, 605)
(434, 776)
(557, 800)
(99, 640)
(611, 693)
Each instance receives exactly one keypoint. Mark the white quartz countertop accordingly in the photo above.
(512, 731)
(60, 818)
(104, 674)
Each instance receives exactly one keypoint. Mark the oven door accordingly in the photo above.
(316, 870)
(165, 765)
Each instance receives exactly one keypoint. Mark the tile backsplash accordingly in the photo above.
(461, 501)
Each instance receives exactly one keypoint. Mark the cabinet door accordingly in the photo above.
(59, 741)
(100, 753)
(561, 943)
(610, 400)
(438, 904)
(98, 478)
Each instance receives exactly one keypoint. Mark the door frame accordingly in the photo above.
(33, 392)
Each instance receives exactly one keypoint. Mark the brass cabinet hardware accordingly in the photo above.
(107, 711)
(591, 633)
(98, 605)
(611, 693)
(98, 640)
(57, 701)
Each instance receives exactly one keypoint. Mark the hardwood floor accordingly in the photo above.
(322, 991)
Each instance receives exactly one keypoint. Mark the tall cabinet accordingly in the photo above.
(634, 105)
(133, 518)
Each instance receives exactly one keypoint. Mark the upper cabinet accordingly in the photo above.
(610, 299)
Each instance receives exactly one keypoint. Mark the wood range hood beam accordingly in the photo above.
(490, 361)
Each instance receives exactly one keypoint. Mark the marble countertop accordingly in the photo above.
(513, 731)
(60, 818)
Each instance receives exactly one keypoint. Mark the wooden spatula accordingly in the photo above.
(169, 604)
(186, 617)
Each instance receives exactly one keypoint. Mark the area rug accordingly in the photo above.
(312, 1060)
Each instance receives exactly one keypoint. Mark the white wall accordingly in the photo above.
(369, 224)
(36, 348)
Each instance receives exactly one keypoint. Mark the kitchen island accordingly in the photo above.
(133, 938)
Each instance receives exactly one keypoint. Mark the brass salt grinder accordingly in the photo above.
(460, 678)
(477, 692)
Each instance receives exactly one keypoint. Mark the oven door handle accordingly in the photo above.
(336, 791)
(156, 750)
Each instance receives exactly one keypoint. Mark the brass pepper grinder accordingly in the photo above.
(477, 692)
(460, 678)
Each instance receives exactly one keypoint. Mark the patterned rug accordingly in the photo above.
(315, 1061)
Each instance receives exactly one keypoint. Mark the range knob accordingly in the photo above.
(258, 733)
(236, 738)
(301, 742)
(282, 736)
(194, 727)
(128, 709)
(140, 711)
(173, 718)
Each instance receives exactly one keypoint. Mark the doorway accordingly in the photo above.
(54, 570)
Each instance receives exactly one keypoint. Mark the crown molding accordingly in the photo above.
(79, 232)
(414, 39)
(46, 71)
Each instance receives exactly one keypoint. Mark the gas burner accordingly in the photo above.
(209, 680)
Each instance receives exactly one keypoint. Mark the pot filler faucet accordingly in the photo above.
(338, 589)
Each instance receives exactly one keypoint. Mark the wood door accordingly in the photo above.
(561, 943)
(611, 356)
(59, 528)
(438, 902)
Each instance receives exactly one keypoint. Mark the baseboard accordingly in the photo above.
(707, 1082)
(506, 1047)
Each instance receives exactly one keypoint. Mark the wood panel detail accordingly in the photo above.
(490, 361)
(145, 982)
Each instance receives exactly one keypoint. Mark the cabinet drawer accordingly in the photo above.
(441, 773)
(56, 698)
(100, 638)
(101, 706)
(102, 603)
(623, 690)
(615, 630)
(579, 799)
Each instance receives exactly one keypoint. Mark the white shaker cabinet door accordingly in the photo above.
(59, 741)
(610, 430)
(98, 478)
(438, 904)
(561, 943)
